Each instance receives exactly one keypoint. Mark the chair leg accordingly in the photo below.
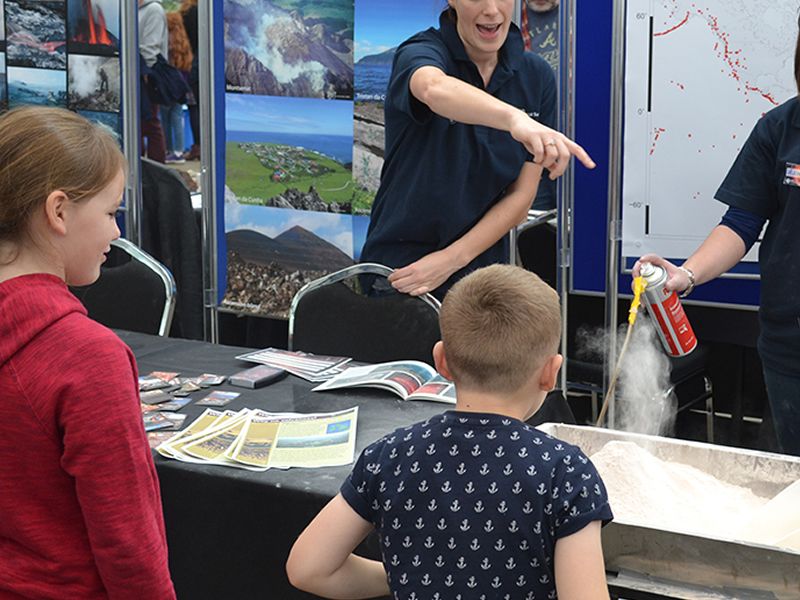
(709, 411)
(595, 410)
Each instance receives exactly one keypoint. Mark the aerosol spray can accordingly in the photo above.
(666, 310)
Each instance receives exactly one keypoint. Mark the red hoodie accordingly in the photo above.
(80, 509)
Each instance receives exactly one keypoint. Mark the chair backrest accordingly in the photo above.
(171, 235)
(334, 315)
(137, 293)
(537, 246)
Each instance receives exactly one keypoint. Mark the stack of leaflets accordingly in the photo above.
(257, 440)
(162, 392)
(311, 367)
(409, 379)
(155, 421)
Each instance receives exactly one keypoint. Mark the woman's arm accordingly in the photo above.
(322, 560)
(720, 251)
(454, 99)
(432, 270)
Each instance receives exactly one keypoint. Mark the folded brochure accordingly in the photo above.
(258, 440)
(313, 367)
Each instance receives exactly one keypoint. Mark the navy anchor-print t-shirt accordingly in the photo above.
(470, 505)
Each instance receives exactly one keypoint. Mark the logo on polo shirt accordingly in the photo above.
(532, 114)
(792, 175)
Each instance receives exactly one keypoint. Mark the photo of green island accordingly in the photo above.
(293, 153)
(288, 176)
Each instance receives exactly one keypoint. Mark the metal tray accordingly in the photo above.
(740, 569)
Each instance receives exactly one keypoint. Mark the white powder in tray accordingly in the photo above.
(644, 490)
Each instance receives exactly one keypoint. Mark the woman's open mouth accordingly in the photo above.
(488, 31)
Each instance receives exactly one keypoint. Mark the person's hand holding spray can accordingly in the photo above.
(663, 304)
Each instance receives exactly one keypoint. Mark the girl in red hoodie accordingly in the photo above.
(80, 509)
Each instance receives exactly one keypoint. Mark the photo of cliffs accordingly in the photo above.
(375, 46)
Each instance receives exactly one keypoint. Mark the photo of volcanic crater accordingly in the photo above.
(93, 27)
(300, 48)
(94, 82)
(36, 33)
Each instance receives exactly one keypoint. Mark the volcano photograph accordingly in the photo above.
(94, 82)
(36, 33)
(300, 48)
(93, 27)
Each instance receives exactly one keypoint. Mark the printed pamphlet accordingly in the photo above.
(312, 367)
(258, 440)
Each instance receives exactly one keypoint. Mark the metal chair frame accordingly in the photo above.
(340, 275)
(170, 289)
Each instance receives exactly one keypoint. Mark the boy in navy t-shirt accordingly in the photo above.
(473, 503)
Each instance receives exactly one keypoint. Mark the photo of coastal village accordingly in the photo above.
(293, 153)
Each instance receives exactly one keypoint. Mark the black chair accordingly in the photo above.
(537, 246)
(337, 314)
(171, 235)
(134, 292)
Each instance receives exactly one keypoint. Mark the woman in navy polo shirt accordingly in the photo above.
(467, 137)
(763, 185)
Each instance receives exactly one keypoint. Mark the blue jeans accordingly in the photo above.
(172, 121)
(784, 401)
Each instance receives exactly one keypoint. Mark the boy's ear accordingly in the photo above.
(549, 373)
(55, 207)
(440, 360)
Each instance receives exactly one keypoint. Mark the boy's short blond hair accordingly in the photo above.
(499, 325)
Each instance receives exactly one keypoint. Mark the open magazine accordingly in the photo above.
(409, 379)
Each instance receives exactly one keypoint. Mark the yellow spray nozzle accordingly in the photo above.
(639, 285)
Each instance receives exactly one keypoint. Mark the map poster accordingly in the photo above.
(697, 78)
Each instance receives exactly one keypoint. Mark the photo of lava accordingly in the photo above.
(35, 32)
(93, 27)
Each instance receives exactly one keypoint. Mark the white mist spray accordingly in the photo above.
(644, 399)
(645, 402)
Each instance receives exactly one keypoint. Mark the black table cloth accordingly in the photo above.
(230, 530)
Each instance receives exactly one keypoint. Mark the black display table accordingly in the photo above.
(229, 530)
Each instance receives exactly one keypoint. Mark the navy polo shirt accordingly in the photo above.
(470, 506)
(440, 177)
(765, 180)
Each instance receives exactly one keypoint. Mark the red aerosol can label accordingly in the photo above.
(665, 308)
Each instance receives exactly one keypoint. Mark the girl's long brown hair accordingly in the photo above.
(47, 149)
(187, 4)
(180, 52)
